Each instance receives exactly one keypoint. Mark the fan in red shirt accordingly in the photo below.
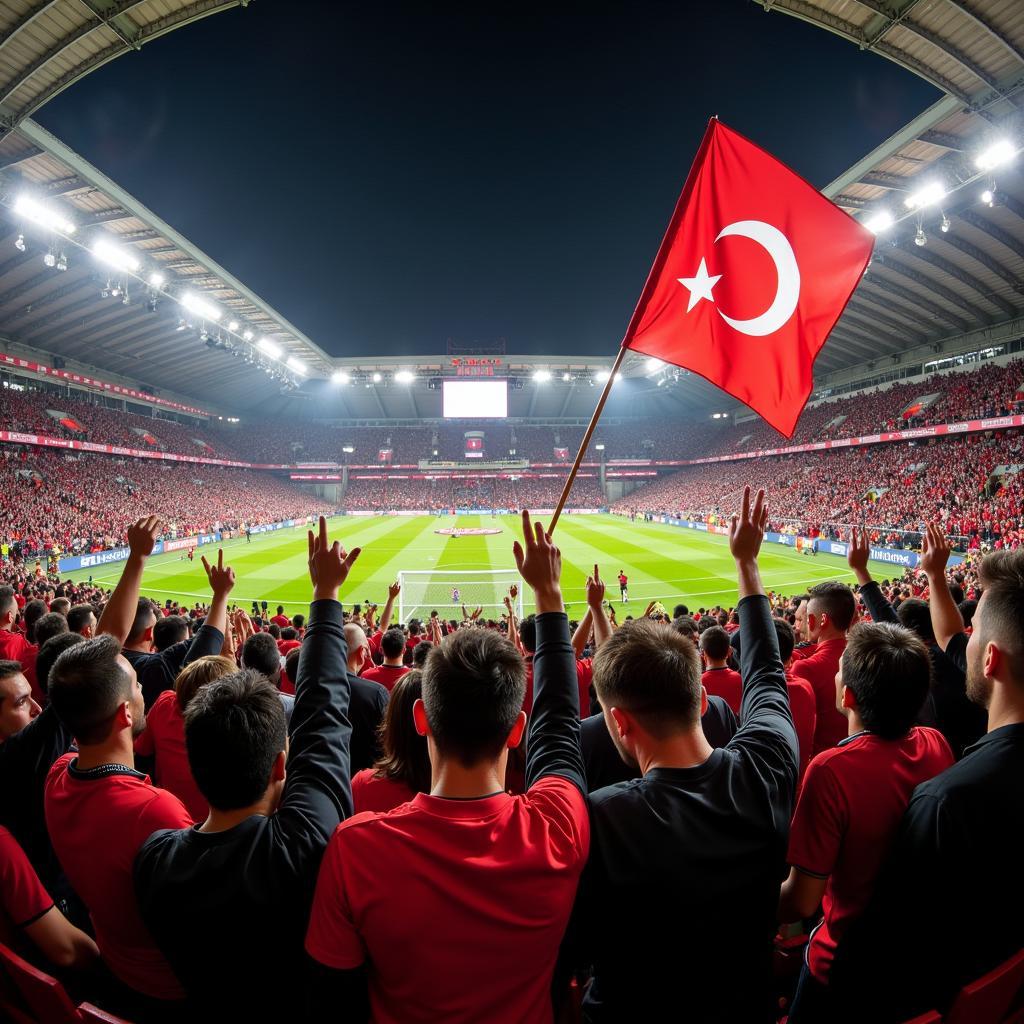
(452, 907)
(854, 796)
(718, 679)
(830, 613)
(280, 619)
(393, 648)
(801, 697)
(623, 587)
(14, 646)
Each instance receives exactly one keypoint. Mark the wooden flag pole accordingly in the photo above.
(585, 443)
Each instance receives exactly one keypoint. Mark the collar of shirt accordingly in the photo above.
(1004, 734)
(101, 771)
(441, 807)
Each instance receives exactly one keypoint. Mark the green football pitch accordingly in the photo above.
(662, 562)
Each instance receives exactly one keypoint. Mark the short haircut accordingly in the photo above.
(1002, 576)
(78, 617)
(33, 611)
(967, 610)
(274, 630)
(528, 633)
(685, 625)
(50, 651)
(145, 617)
(653, 672)
(260, 654)
(60, 605)
(420, 652)
(786, 637)
(714, 642)
(234, 730)
(474, 683)
(415, 627)
(7, 602)
(835, 600)
(50, 625)
(280, 609)
(291, 664)
(9, 668)
(914, 614)
(404, 756)
(889, 670)
(198, 673)
(298, 621)
(392, 643)
(680, 609)
(289, 633)
(168, 631)
(86, 686)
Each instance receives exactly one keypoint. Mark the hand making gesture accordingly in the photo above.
(540, 564)
(329, 564)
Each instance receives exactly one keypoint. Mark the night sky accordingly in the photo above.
(389, 178)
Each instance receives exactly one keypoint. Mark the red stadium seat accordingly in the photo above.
(990, 999)
(44, 995)
(94, 1015)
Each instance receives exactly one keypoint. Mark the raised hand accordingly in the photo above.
(513, 591)
(595, 590)
(746, 531)
(394, 590)
(540, 564)
(329, 564)
(142, 535)
(935, 550)
(221, 576)
(857, 554)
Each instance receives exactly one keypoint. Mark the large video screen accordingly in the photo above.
(475, 399)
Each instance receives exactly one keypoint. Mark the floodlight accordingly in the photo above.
(340, 377)
(926, 195)
(598, 447)
(50, 260)
(602, 375)
(19, 243)
(376, 378)
(232, 325)
(881, 221)
(405, 377)
(920, 238)
(944, 226)
(542, 376)
(201, 307)
(247, 336)
(156, 279)
(297, 365)
(567, 377)
(1001, 152)
(716, 415)
(113, 255)
(30, 209)
(988, 197)
(348, 449)
(270, 348)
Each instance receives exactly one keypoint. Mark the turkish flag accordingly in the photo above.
(751, 277)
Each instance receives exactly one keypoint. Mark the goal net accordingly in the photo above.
(446, 591)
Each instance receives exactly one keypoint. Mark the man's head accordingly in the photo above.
(647, 678)
(289, 633)
(51, 624)
(679, 610)
(786, 637)
(95, 693)
(392, 645)
(714, 645)
(198, 673)
(884, 675)
(528, 633)
(8, 607)
(415, 627)
(82, 619)
(60, 605)
(260, 654)
(472, 706)
(168, 631)
(31, 614)
(830, 610)
(684, 625)
(17, 708)
(280, 609)
(236, 738)
(420, 652)
(140, 636)
(291, 664)
(298, 621)
(274, 630)
(913, 613)
(995, 651)
(50, 651)
(359, 656)
(800, 618)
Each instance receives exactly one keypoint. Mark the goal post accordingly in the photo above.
(445, 591)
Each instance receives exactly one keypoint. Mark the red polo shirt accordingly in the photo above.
(164, 736)
(372, 792)
(847, 815)
(386, 675)
(97, 822)
(726, 683)
(22, 896)
(805, 716)
(284, 646)
(820, 671)
(491, 882)
(584, 677)
(281, 620)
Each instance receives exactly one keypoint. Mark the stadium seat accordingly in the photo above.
(94, 1015)
(43, 994)
(990, 999)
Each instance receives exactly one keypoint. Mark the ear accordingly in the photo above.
(515, 737)
(992, 660)
(277, 773)
(703, 701)
(848, 699)
(419, 718)
(123, 717)
(148, 635)
(623, 723)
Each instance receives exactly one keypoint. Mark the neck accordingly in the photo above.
(221, 821)
(1006, 706)
(142, 646)
(451, 779)
(682, 750)
(118, 749)
(830, 634)
(854, 724)
(717, 664)
(393, 662)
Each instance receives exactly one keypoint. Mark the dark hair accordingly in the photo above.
(392, 643)
(1002, 576)
(289, 633)
(199, 673)
(234, 730)
(9, 668)
(31, 614)
(836, 601)
(420, 652)
(78, 616)
(528, 632)
(967, 610)
(914, 614)
(680, 610)
(60, 605)
(404, 755)
(474, 683)
(168, 631)
(274, 630)
(889, 670)
(50, 625)
(714, 642)
(50, 651)
(260, 653)
(685, 625)
(415, 627)
(144, 612)
(291, 664)
(280, 609)
(298, 621)
(786, 637)
(7, 600)
(653, 672)
(86, 686)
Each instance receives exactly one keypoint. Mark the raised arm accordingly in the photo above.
(595, 608)
(582, 634)
(947, 621)
(119, 613)
(553, 745)
(389, 606)
(857, 554)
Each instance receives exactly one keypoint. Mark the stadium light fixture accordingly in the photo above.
(405, 377)
(114, 256)
(270, 348)
(376, 378)
(50, 259)
(881, 221)
(999, 153)
(541, 376)
(944, 226)
(340, 377)
(920, 238)
(44, 216)
(988, 197)
(19, 242)
(602, 375)
(927, 195)
(598, 447)
(232, 326)
(297, 365)
(156, 279)
(348, 449)
(716, 415)
(566, 377)
(201, 307)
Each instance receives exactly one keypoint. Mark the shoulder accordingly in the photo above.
(607, 801)
(58, 769)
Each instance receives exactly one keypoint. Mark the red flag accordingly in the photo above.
(753, 273)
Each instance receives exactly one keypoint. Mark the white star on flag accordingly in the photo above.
(700, 285)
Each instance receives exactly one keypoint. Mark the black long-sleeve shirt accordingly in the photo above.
(158, 670)
(682, 884)
(229, 909)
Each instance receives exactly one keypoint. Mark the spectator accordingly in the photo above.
(260, 653)
(82, 620)
(367, 704)
(17, 707)
(393, 647)
(50, 625)
(13, 646)
(169, 630)
(718, 679)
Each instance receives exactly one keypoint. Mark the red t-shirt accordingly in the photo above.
(371, 792)
(726, 683)
(386, 675)
(490, 881)
(805, 716)
(847, 815)
(281, 620)
(584, 677)
(14, 647)
(164, 736)
(820, 671)
(623, 580)
(97, 822)
(22, 896)
(284, 646)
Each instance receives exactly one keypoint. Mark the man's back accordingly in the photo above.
(726, 683)
(819, 669)
(386, 675)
